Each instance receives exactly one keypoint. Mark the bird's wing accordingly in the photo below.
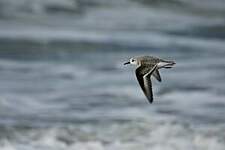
(140, 78)
(145, 82)
(156, 74)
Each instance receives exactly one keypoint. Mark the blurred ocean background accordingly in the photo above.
(63, 85)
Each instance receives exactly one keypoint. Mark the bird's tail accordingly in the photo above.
(166, 64)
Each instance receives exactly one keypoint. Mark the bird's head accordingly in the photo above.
(132, 61)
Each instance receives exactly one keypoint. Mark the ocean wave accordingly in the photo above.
(142, 39)
(132, 135)
(11, 7)
(68, 6)
(113, 16)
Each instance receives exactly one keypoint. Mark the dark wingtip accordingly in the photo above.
(150, 100)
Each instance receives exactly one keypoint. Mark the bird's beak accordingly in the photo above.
(126, 63)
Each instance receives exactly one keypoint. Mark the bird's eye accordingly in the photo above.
(132, 60)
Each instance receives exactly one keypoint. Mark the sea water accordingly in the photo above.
(63, 84)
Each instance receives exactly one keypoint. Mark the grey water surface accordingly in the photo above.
(63, 84)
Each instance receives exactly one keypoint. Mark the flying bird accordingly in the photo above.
(146, 66)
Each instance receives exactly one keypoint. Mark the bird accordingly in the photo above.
(146, 66)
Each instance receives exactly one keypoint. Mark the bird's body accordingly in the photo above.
(147, 66)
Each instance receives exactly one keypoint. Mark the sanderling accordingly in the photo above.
(147, 66)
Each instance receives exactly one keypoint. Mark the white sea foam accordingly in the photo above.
(155, 134)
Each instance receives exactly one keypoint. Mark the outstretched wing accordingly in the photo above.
(140, 78)
(156, 74)
(145, 82)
